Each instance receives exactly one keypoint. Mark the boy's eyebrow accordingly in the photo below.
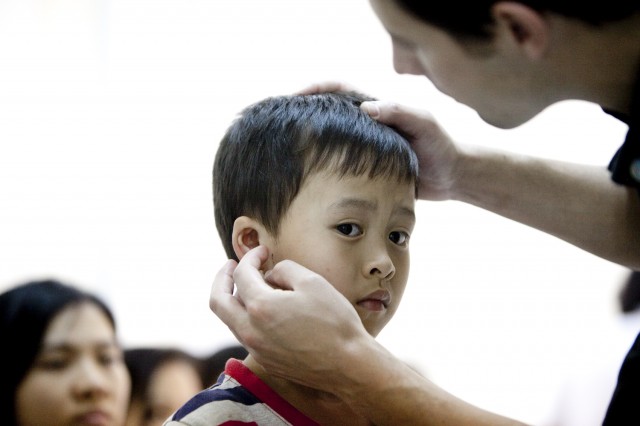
(406, 211)
(354, 203)
(369, 205)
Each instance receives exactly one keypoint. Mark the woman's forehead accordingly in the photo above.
(79, 324)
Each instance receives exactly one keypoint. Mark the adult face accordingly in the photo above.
(78, 377)
(494, 77)
(354, 231)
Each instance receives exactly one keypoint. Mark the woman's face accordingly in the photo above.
(78, 377)
(170, 386)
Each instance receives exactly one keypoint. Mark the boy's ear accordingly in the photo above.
(526, 27)
(246, 235)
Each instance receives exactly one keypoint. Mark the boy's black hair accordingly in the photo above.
(274, 144)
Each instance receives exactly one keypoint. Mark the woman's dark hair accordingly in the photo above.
(25, 313)
(472, 19)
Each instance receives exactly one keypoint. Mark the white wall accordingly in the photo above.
(110, 112)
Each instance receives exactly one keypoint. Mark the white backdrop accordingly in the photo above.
(110, 113)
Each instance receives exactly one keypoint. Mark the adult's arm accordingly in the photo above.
(300, 328)
(577, 203)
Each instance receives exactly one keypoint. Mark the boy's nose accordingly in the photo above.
(380, 265)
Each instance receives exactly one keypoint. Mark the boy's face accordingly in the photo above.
(353, 231)
(488, 77)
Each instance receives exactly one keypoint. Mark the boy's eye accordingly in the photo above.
(349, 229)
(400, 238)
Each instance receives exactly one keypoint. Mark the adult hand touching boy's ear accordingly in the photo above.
(294, 323)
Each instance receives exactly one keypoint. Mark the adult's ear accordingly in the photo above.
(246, 235)
(527, 28)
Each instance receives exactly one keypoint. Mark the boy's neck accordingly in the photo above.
(323, 407)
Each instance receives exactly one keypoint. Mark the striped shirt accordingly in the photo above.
(239, 397)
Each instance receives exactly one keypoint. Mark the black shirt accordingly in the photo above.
(624, 408)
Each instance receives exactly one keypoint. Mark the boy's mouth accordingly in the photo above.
(377, 301)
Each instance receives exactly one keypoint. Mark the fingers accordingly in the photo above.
(248, 279)
(326, 86)
(221, 300)
(222, 286)
(409, 121)
(290, 275)
(247, 276)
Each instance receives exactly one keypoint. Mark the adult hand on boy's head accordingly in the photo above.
(291, 323)
(437, 154)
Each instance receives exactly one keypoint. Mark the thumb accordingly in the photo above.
(289, 275)
(310, 286)
(411, 122)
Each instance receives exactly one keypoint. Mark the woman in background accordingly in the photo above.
(162, 379)
(62, 363)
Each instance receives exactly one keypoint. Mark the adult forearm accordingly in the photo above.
(388, 392)
(577, 203)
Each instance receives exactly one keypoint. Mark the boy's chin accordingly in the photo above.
(373, 330)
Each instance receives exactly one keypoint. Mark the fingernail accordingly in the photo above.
(370, 108)
(230, 265)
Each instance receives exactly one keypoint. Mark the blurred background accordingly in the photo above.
(110, 115)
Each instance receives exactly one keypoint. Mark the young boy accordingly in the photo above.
(316, 181)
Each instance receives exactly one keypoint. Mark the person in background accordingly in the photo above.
(162, 379)
(213, 365)
(315, 180)
(508, 60)
(61, 362)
